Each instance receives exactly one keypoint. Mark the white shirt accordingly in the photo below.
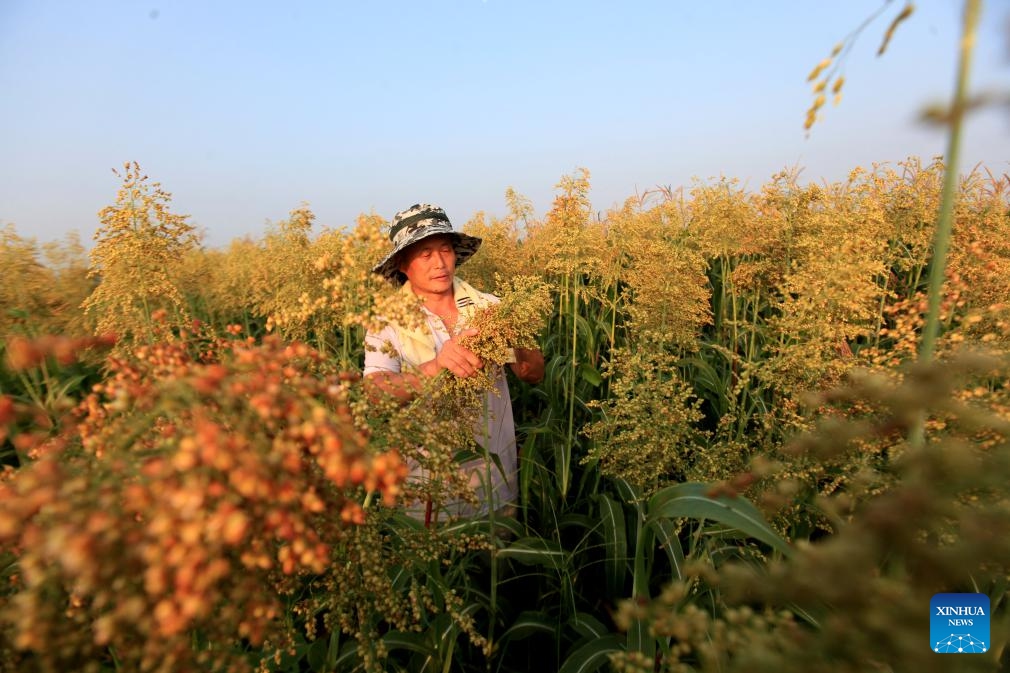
(495, 431)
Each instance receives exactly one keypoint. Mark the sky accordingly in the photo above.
(243, 110)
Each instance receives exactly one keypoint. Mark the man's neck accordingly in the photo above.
(437, 302)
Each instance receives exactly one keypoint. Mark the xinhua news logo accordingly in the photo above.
(959, 623)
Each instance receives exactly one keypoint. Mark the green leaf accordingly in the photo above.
(588, 626)
(527, 463)
(632, 495)
(398, 519)
(530, 623)
(445, 630)
(707, 381)
(690, 501)
(348, 656)
(513, 526)
(69, 385)
(615, 542)
(642, 565)
(592, 656)
(464, 527)
(466, 455)
(316, 656)
(639, 639)
(333, 650)
(535, 551)
(590, 375)
(577, 521)
(665, 531)
(413, 642)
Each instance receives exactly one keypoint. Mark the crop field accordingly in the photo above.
(737, 460)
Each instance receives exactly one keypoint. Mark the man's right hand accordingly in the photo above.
(459, 360)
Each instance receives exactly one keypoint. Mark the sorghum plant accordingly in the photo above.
(161, 531)
(136, 248)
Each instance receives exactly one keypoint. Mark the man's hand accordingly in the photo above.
(529, 365)
(401, 386)
(459, 360)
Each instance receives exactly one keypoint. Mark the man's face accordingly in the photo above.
(430, 264)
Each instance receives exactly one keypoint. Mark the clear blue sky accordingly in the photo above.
(244, 109)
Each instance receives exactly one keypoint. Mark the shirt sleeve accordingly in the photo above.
(381, 352)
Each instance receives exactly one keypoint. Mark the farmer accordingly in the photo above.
(398, 361)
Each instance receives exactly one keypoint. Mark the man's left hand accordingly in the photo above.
(529, 365)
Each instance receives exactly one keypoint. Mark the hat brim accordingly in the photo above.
(463, 244)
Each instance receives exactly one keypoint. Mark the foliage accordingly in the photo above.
(146, 533)
(135, 249)
(690, 337)
(42, 288)
(856, 600)
(514, 322)
(647, 434)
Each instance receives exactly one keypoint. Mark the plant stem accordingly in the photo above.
(944, 224)
(491, 506)
(567, 456)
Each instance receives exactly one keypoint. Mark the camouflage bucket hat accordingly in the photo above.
(418, 223)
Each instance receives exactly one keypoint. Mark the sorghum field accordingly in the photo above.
(736, 462)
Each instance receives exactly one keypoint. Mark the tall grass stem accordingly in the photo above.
(944, 223)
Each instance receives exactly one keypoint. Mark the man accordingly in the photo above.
(399, 361)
